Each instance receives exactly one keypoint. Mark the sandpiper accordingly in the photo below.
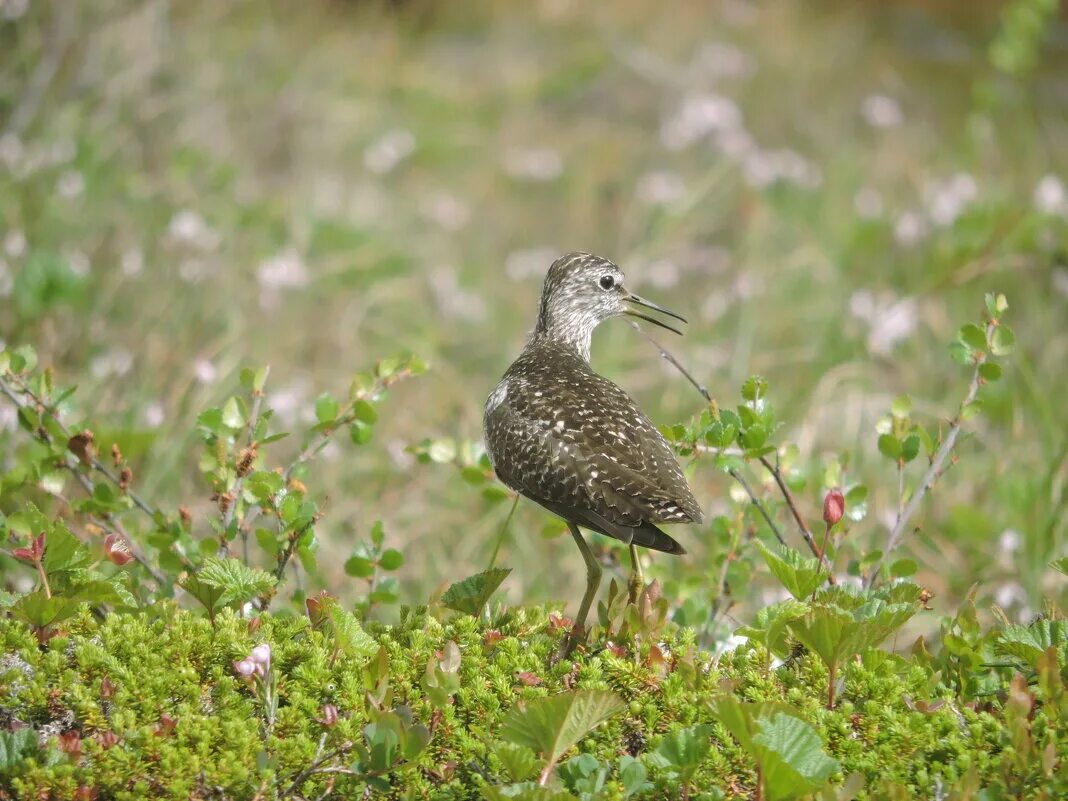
(574, 442)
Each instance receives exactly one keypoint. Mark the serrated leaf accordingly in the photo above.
(391, 559)
(990, 371)
(791, 757)
(890, 446)
(232, 415)
(16, 746)
(1003, 342)
(910, 448)
(800, 576)
(754, 388)
(359, 567)
(552, 725)
(326, 408)
(771, 625)
(37, 609)
(901, 406)
(360, 432)
(235, 581)
(470, 595)
(365, 411)
(970, 410)
(961, 353)
(63, 551)
(973, 336)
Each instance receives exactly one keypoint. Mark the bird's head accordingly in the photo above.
(582, 290)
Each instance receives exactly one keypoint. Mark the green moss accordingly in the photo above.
(221, 744)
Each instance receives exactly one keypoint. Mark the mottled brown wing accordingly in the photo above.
(581, 440)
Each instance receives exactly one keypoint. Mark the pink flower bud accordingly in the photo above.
(117, 549)
(34, 553)
(261, 654)
(245, 667)
(329, 717)
(833, 507)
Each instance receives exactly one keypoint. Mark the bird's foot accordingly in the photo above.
(575, 637)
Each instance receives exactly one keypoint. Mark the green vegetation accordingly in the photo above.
(223, 581)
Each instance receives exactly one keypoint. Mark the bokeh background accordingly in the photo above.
(825, 189)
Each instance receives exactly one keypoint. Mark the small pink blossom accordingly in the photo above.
(261, 654)
(245, 667)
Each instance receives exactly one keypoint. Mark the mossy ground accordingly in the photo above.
(129, 673)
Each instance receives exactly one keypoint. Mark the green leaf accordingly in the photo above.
(391, 559)
(754, 436)
(16, 746)
(910, 448)
(990, 371)
(326, 408)
(470, 595)
(365, 411)
(754, 388)
(1029, 643)
(1060, 565)
(973, 336)
(970, 410)
(63, 551)
(798, 575)
(552, 725)
(268, 540)
(23, 359)
(518, 761)
(791, 757)
(890, 446)
(359, 567)
(378, 534)
(903, 568)
(961, 353)
(632, 775)
(771, 626)
(683, 750)
(1003, 342)
(236, 582)
(37, 609)
(232, 415)
(360, 432)
(901, 406)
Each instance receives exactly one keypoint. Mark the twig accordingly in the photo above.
(763, 511)
(937, 467)
(675, 362)
(107, 519)
(708, 397)
(776, 473)
(231, 509)
(503, 532)
(314, 767)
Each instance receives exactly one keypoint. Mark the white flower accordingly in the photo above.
(204, 371)
(389, 150)
(946, 200)
(446, 210)
(154, 414)
(868, 203)
(286, 270)
(890, 320)
(11, 150)
(909, 229)
(261, 654)
(881, 111)
(533, 164)
(70, 184)
(1050, 196)
(132, 262)
(698, 116)
(1009, 540)
(660, 187)
(15, 243)
(117, 361)
(522, 264)
(187, 227)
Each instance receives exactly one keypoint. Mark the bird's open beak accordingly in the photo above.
(632, 298)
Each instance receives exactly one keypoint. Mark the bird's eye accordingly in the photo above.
(607, 281)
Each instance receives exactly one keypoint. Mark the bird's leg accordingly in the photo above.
(593, 581)
(637, 576)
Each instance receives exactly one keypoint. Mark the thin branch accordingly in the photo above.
(105, 520)
(776, 473)
(235, 491)
(937, 467)
(708, 397)
(675, 362)
(756, 502)
(315, 766)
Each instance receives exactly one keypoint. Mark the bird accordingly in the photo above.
(573, 441)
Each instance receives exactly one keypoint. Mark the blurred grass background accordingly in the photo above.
(825, 189)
